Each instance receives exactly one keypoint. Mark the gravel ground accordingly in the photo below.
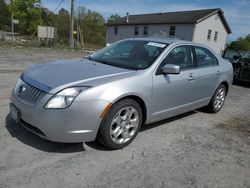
(195, 149)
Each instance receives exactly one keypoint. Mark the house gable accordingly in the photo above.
(213, 26)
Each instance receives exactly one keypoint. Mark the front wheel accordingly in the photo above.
(218, 99)
(121, 124)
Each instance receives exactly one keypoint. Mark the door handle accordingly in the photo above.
(218, 73)
(191, 77)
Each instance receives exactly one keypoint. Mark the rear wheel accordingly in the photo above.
(121, 124)
(218, 99)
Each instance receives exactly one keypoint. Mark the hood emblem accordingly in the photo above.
(21, 89)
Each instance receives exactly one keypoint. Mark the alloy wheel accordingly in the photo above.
(124, 125)
(219, 98)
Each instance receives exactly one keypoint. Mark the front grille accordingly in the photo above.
(27, 93)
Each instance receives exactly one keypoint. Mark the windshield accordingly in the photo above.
(130, 54)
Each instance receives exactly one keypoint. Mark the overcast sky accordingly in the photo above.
(237, 12)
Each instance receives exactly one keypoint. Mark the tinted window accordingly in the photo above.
(230, 53)
(204, 58)
(179, 56)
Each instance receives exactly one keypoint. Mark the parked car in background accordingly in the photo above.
(113, 92)
(240, 62)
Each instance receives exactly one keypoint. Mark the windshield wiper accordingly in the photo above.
(112, 64)
(101, 61)
(97, 60)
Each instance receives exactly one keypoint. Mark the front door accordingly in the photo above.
(231, 54)
(174, 94)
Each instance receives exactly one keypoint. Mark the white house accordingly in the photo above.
(207, 26)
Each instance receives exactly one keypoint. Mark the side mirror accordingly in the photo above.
(171, 69)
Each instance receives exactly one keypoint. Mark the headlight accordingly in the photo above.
(64, 98)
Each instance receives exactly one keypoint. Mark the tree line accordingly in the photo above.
(242, 44)
(90, 24)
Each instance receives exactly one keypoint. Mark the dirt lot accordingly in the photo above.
(192, 150)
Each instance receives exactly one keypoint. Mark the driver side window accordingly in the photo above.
(181, 56)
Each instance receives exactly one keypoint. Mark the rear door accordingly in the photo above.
(207, 73)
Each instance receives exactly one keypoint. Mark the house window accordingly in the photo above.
(115, 30)
(136, 30)
(215, 35)
(209, 34)
(145, 30)
(172, 31)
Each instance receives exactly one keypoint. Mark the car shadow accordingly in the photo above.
(96, 145)
(24, 136)
(242, 84)
(168, 120)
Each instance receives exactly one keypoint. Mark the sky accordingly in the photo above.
(236, 12)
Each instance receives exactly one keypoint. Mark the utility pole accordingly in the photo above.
(12, 26)
(12, 29)
(78, 30)
(71, 31)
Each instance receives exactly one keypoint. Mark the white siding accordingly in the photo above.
(215, 24)
(182, 31)
(189, 32)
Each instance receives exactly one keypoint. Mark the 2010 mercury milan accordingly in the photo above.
(113, 92)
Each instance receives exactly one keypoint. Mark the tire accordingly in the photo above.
(218, 99)
(120, 125)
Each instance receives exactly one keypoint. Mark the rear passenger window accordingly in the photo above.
(179, 56)
(204, 58)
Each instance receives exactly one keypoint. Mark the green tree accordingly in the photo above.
(4, 15)
(48, 17)
(62, 24)
(114, 18)
(247, 38)
(28, 15)
(242, 43)
(93, 25)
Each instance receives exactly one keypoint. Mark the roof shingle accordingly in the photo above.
(181, 17)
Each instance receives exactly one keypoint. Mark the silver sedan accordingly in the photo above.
(110, 94)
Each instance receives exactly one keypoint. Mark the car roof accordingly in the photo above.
(167, 41)
(151, 39)
(172, 41)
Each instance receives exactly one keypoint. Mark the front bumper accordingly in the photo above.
(78, 123)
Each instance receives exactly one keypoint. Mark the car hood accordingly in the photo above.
(54, 76)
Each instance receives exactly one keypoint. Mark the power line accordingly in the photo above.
(53, 13)
(58, 6)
